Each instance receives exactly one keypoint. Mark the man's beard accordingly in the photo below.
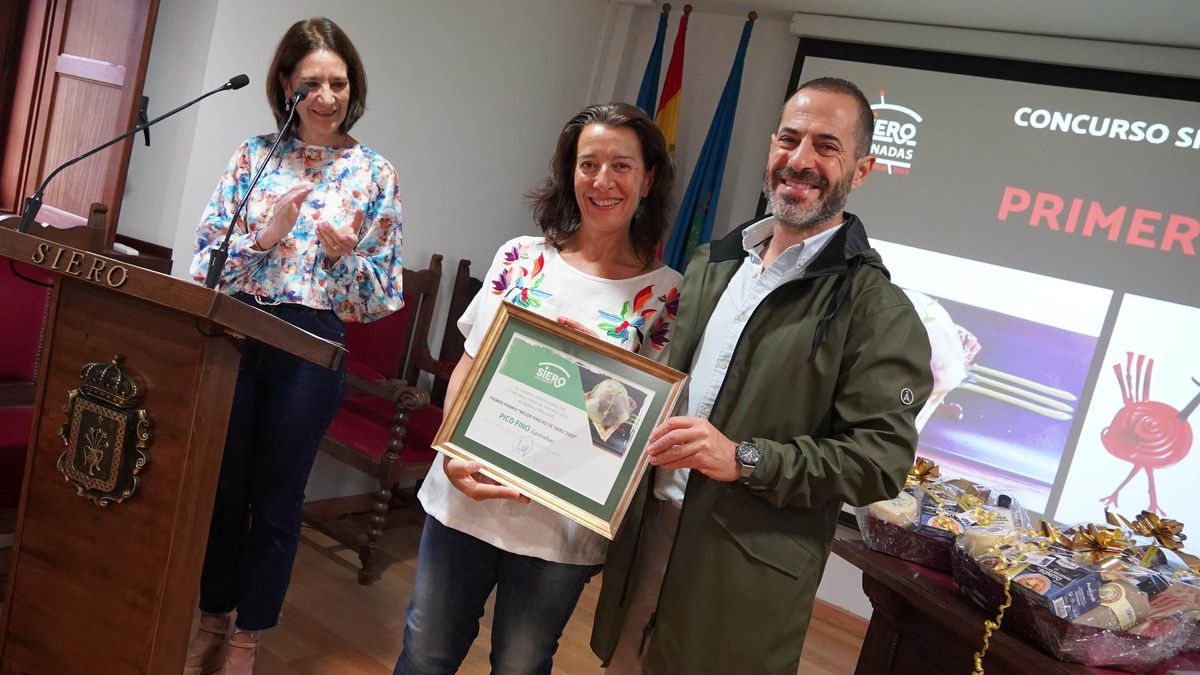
(792, 214)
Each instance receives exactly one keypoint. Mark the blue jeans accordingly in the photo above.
(455, 574)
(281, 408)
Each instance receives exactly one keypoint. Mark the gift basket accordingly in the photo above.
(931, 513)
(1088, 594)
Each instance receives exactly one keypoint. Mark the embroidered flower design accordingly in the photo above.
(518, 284)
(628, 324)
(658, 333)
(528, 296)
(670, 302)
(500, 283)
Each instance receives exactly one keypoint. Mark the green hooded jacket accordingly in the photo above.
(827, 379)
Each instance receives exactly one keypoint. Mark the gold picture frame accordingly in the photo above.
(560, 415)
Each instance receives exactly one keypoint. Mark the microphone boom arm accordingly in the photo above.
(33, 203)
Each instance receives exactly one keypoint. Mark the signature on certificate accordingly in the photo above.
(522, 445)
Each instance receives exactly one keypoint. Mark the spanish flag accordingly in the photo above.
(667, 117)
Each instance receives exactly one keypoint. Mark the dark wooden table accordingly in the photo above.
(921, 625)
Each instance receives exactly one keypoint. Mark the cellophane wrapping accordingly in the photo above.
(1116, 613)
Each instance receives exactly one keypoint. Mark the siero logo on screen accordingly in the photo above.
(894, 138)
(552, 373)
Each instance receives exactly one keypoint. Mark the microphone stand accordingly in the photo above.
(220, 254)
(33, 203)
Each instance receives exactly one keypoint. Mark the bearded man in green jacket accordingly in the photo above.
(808, 367)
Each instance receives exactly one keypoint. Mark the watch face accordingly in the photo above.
(749, 454)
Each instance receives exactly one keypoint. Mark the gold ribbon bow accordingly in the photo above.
(973, 506)
(1166, 532)
(1096, 544)
(922, 471)
(969, 502)
(1050, 531)
(1101, 545)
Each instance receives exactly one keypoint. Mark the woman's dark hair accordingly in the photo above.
(554, 207)
(302, 39)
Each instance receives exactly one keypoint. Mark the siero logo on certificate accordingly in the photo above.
(559, 416)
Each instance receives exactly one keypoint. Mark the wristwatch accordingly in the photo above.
(748, 455)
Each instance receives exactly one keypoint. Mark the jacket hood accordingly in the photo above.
(849, 242)
(848, 250)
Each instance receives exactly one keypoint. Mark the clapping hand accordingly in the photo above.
(339, 241)
(284, 211)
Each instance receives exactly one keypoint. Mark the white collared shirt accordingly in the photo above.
(750, 284)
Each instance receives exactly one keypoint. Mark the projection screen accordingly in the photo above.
(1044, 220)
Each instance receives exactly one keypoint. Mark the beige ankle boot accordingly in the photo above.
(239, 658)
(206, 653)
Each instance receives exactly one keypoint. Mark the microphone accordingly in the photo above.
(301, 94)
(220, 255)
(33, 203)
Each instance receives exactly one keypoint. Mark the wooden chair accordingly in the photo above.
(465, 288)
(385, 425)
(23, 303)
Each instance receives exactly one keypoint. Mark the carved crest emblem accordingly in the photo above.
(106, 434)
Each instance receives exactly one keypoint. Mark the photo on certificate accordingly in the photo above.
(560, 415)
(612, 408)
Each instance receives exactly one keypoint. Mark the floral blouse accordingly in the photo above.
(636, 313)
(360, 287)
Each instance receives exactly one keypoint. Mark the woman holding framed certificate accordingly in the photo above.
(603, 211)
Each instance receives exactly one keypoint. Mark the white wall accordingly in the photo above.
(176, 74)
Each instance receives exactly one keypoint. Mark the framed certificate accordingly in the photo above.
(560, 415)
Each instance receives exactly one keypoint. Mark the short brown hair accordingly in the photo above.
(866, 118)
(555, 209)
(302, 39)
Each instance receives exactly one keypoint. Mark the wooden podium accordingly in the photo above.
(112, 588)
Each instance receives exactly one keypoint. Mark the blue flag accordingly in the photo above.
(693, 224)
(647, 98)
